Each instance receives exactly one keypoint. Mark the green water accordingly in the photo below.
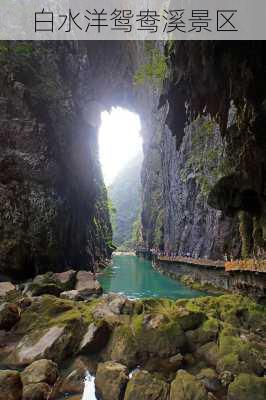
(136, 278)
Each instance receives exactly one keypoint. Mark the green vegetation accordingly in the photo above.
(206, 162)
(104, 211)
(245, 229)
(52, 311)
(15, 49)
(155, 71)
(124, 206)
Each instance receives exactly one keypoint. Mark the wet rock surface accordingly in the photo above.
(144, 385)
(206, 347)
(10, 385)
(5, 288)
(40, 371)
(36, 391)
(111, 380)
(186, 387)
(9, 315)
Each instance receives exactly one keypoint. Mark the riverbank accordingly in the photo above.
(213, 277)
(215, 346)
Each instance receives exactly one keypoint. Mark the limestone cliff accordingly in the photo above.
(211, 163)
(53, 200)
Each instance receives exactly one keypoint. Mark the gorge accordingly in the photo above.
(203, 178)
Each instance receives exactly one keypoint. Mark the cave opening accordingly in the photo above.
(119, 141)
(120, 153)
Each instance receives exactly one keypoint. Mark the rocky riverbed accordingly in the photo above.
(58, 326)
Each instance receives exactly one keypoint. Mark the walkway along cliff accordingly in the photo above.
(246, 277)
(203, 112)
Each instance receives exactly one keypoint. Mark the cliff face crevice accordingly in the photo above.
(213, 198)
(203, 197)
(53, 200)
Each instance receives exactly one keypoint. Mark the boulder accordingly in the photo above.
(24, 303)
(73, 380)
(186, 387)
(112, 305)
(119, 304)
(145, 386)
(78, 295)
(50, 328)
(51, 283)
(247, 387)
(55, 343)
(207, 332)
(43, 284)
(5, 288)
(164, 365)
(66, 279)
(145, 337)
(209, 379)
(40, 371)
(72, 383)
(85, 281)
(86, 288)
(209, 352)
(10, 385)
(95, 338)
(9, 315)
(111, 380)
(36, 391)
(187, 319)
(31, 348)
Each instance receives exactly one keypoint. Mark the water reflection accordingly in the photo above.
(136, 278)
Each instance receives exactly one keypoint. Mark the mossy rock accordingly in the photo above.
(49, 284)
(145, 336)
(209, 353)
(122, 347)
(9, 315)
(239, 311)
(40, 371)
(51, 328)
(146, 386)
(247, 387)
(46, 311)
(36, 391)
(237, 355)
(186, 387)
(111, 380)
(10, 385)
(207, 332)
(209, 379)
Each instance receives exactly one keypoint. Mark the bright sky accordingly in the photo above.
(119, 141)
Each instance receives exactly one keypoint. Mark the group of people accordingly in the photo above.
(166, 253)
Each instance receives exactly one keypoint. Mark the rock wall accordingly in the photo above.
(211, 168)
(209, 277)
(53, 201)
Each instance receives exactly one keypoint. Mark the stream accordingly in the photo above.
(135, 278)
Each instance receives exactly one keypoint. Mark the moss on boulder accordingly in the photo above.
(186, 387)
(10, 385)
(247, 387)
(146, 386)
(51, 328)
(111, 380)
(9, 315)
(40, 371)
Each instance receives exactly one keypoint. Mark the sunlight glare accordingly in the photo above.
(119, 141)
